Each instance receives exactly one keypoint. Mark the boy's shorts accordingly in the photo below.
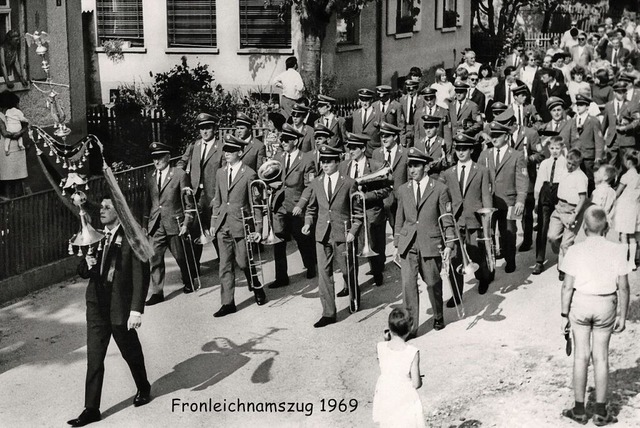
(597, 312)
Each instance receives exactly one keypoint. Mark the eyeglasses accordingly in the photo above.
(296, 114)
(473, 79)
(582, 39)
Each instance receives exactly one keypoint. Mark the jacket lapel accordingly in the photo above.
(504, 160)
(399, 152)
(337, 189)
(166, 180)
(294, 163)
(212, 149)
(456, 189)
(237, 177)
(472, 173)
(427, 192)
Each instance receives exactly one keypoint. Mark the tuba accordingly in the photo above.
(371, 181)
(261, 196)
(484, 216)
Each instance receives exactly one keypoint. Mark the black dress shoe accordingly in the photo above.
(343, 293)
(87, 417)
(537, 269)
(526, 246)
(311, 273)
(324, 321)
(142, 398)
(451, 303)
(561, 275)
(378, 278)
(278, 284)
(155, 299)
(187, 289)
(438, 324)
(260, 296)
(510, 267)
(483, 286)
(225, 310)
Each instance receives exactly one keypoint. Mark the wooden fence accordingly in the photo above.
(539, 41)
(35, 229)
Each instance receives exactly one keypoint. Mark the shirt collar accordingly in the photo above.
(423, 183)
(235, 167)
(466, 164)
(332, 176)
(166, 169)
(111, 231)
(293, 154)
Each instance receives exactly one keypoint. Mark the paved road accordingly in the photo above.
(503, 364)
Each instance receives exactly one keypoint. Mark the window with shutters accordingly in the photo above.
(404, 16)
(449, 14)
(348, 29)
(191, 23)
(263, 27)
(120, 19)
(14, 71)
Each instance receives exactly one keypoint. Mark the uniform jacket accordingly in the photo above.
(202, 178)
(127, 290)
(439, 151)
(590, 138)
(417, 224)
(308, 141)
(374, 199)
(254, 154)
(477, 194)
(302, 170)
(337, 126)
(165, 205)
(229, 203)
(612, 136)
(528, 114)
(445, 126)
(331, 216)
(527, 141)
(469, 111)
(543, 93)
(509, 180)
(393, 115)
(399, 170)
(408, 130)
(370, 128)
(568, 131)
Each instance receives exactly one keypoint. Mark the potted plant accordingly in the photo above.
(113, 49)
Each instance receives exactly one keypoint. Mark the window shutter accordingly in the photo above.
(261, 27)
(439, 13)
(191, 23)
(460, 10)
(120, 19)
(392, 10)
(418, 24)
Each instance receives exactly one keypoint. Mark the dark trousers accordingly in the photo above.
(617, 156)
(233, 251)
(378, 244)
(527, 219)
(292, 227)
(413, 264)
(544, 215)
(99, 332)
(477, 254)
(390, 211)
(162, 241)
(508, 230)
(327, 251)
(587, 168)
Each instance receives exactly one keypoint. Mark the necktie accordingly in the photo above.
(520, 115)
(459, 109)
(203, 155)
(389, 156)
(614, 57)
(497, 156)
(384, 107)
(329, 188)
(418, 194)
(579, 122)
(617, 108)
(556, 125)
(430, 111)
(508, 94)
(364, 116)
(411, 111)
(553, 170)
(159, 181)
(230, 177)
(355, 172)
(286, 164)
(326, 122)
(105, 251)
(462, 177)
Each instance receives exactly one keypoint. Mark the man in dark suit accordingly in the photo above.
(590, 138)
(395, 156)
(431, 109)
(503, 91)
(524, 114)
(254, 154)
(475, 94)
(389, 108)
(421, 201)
(298, 169)
(366, 120)
(618, 136)
(615, 53)
(298, 113)
(470, 191)
(230, 203)
(332, 122)
(331, 211)
(201, 161)
(168, 221)
(462, 109)
(559, 123)
(509, 183)
(118, 284)
(434, 146)
(549, 88)
(356, 166)
(410, 103)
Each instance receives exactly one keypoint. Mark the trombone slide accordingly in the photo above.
(352, 280)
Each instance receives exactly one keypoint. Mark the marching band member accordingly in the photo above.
(509, 182)
(355, 167)
(410, 103)
(395, 155)
(167, 222)
(230, 202)
(201, 161)
(470, 189)
(618, 137)
(433, 145)
(421, 201)
(330, 210)
(366, 120)
(461, 108)
(298, 114)
(331, 121)
(254, 154)
(389, 109)
(322, 136)
(432, 109)
(525, 114)
(590, 138)
(560, 124)
(298, 169)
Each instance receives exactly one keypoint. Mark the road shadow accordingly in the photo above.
(623, 386)
(220, 358)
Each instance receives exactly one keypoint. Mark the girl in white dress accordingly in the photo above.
(626, 216)
(396, 402)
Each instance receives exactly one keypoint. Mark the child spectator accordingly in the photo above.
(396, 402)
(595, 300)
(603, 195)
(626, 217)
(15, 119)
(572, 196)
(545, 192)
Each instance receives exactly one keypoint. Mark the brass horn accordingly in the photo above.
(484, 215)
(467, 267)
(381, 177)
(261, 196)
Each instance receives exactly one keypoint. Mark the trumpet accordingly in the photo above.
(256, 276)
(467, 267)
(191, 254)
(261, 197)
(485, 215)
(204, 235)
(352, 283)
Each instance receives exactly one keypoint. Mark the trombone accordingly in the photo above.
(204, 235)
(261, 197)
(254, 257)
(192, 254)
(485, 216)
(352, 282)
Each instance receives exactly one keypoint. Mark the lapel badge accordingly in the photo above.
(447, 207)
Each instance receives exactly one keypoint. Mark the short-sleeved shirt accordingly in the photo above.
(596, 264)
(572, 185)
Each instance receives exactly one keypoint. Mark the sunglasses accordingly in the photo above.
(296, 114)
(582, 39)
(473, 79)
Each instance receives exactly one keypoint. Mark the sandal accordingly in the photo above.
(604, 420)
(581, 419)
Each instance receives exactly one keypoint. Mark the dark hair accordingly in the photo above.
(8, 100)
(400, 322)
(291, 62)
(574, 32)
(415, 71)
(508, 70)
(578, 70)
(462, 73)
(485, 67)
(575, 155)
(556, 140)
(603, 77)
